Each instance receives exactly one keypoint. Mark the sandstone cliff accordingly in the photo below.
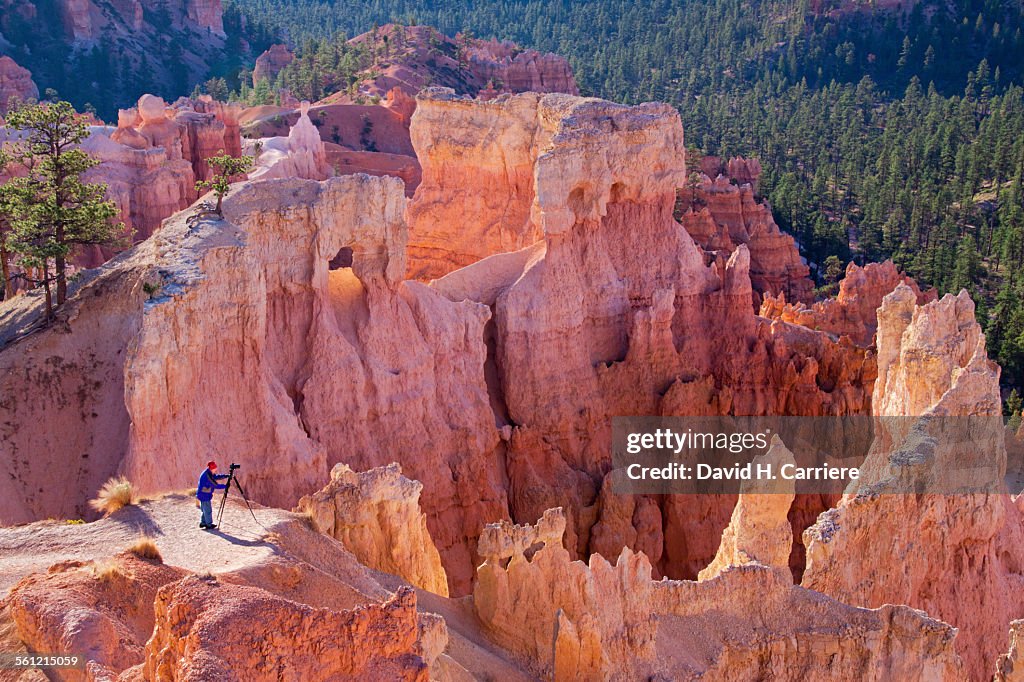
(612, 621)
(852, 311)
(376, 515)
(493, 387)
(616, 312)
(955, 549)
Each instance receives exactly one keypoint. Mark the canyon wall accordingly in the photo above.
(473, 202)
(959, 549)
(618, 312)
(612, 621)
(494, 387)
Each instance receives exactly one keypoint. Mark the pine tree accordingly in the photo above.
(50, 209)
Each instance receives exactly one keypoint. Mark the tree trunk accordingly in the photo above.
(62, 280)
(5, 267)
(46, 288)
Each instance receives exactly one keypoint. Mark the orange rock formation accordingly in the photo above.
(376, 515)
(611, 621)
(958, 549)
(720, 215)
(852, 312)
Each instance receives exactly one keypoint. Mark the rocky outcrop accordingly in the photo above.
(376, 515)
(298, 321)
(611, 621)
(473, 201)
(206, 630)
(206, 14)
(15, 84)
(300, 155)
(759, 531)
(101, 609)
(151, 161)
(931, 362)
(509, 68)
(270, 63)
(720, 215)
(852, 311)
(1010, 667)
(617, 312)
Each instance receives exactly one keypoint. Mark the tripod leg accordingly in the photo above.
(220, 513)
(224, 501)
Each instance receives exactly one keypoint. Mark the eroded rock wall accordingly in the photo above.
(955, 549)
(472, 200)
(612, 621)
(376, 515)
(721, 215)
(853, 311)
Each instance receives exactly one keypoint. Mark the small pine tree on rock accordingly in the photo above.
(227, 167)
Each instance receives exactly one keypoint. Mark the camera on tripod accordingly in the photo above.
(234, 466)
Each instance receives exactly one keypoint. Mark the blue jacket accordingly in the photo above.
(208, 483)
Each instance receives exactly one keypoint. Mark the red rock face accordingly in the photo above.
(617, 313)
(512, 69)
(270, 63)
(494, 387)
(101, 609)
(960, 550)
(720, 215)
(16, 83)
(206, 14)
(852, 312)
(204, 629)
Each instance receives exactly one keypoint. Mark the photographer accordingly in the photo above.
(204, 493)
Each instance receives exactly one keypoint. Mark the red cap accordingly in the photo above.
(211, 464)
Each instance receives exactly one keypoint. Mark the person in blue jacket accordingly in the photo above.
(204, 493)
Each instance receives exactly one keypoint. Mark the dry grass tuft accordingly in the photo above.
(115, 494)
(107, 570)
(145, 548)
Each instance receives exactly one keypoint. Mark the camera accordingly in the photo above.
(234, 466)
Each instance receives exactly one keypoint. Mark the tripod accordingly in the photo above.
(227, 489)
